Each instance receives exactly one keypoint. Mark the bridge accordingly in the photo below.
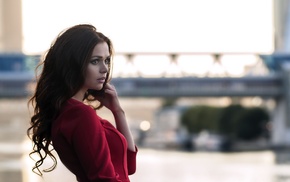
(266, 86)
(17, 72)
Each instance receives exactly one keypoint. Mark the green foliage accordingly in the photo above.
(234, 121)
(199, 118)
(251, 123)
(228, 120)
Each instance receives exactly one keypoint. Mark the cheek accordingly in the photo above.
(90, 72)
(89, 77)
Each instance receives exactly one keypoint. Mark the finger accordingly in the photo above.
(110, 87)
(111, 92)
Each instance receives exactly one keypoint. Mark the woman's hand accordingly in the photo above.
(110, 99)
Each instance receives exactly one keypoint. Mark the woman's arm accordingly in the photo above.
(123, 127)
(111, 101)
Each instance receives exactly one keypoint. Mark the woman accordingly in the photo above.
(75, 73)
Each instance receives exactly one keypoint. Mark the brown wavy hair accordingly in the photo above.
(62, 74)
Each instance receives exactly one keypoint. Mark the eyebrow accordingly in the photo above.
(99, 57)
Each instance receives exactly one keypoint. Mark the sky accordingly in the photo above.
(156, 25)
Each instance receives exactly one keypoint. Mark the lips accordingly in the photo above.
(101, 80)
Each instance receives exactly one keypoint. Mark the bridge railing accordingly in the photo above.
(270, 86)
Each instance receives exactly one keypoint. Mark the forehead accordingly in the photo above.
(101, 50)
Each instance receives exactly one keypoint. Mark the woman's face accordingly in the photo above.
(98, 67)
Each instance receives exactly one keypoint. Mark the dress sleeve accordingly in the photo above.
(91, 147)
(131, 160)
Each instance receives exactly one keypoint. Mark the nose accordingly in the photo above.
(104, 68)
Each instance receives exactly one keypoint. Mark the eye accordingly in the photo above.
(108, 61)
(95, 61)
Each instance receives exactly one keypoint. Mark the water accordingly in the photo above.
(152, 165)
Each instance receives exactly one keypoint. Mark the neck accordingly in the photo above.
(79, 96)
(76, 98)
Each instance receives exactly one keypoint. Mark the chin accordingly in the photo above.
(99, 88)
(96, 87)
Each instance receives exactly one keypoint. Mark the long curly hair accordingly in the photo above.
(62, 74)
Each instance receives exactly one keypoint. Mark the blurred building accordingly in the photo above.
(11, 26)
(282, 25)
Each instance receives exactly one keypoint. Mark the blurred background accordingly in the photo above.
(205, 84)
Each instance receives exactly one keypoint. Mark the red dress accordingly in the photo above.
(91, 147)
